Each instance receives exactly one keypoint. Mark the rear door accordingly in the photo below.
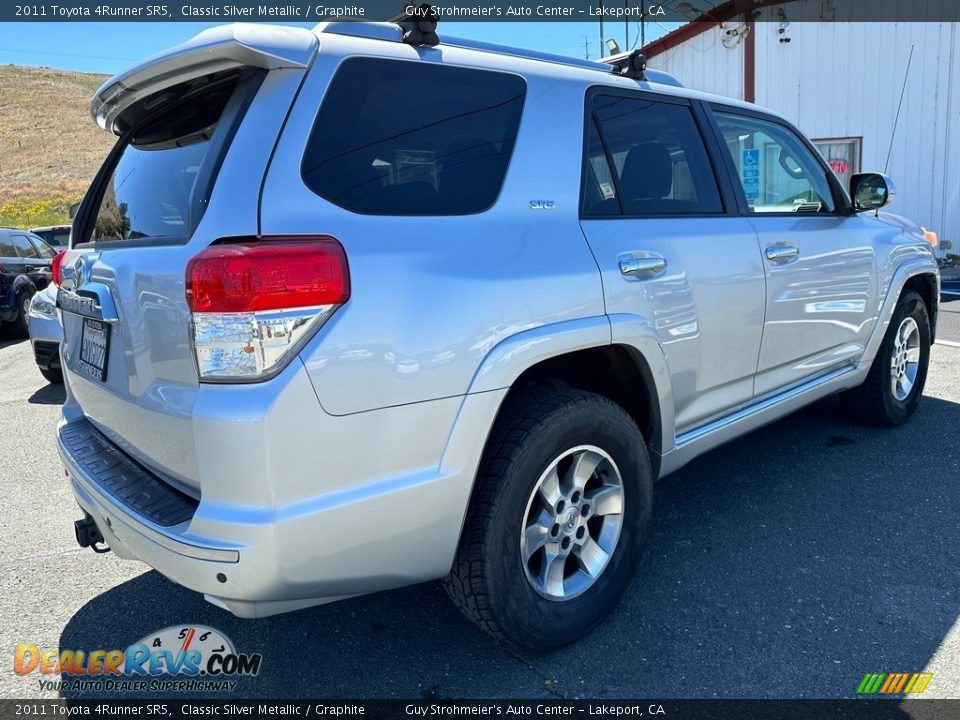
(672, 249)
(32, 263)
(819, 259)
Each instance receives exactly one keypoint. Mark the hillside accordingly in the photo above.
(50, 148)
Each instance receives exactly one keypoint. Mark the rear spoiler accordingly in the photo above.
(226, 47)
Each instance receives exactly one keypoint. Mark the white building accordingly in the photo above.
(841, 83)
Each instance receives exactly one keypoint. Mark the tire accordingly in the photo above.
(880, 400)
(23, 304)
(52, 375)
(495, 581)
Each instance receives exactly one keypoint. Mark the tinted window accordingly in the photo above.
(43, 250)
(652, 160)
(156, 189)
(776, 170)
(23, 246)
(413, 138)
(6, 247)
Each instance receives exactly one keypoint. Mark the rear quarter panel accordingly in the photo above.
(432, 296)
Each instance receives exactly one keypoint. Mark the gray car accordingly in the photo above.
(348, 310)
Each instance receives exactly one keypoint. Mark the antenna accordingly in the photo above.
(896, 120)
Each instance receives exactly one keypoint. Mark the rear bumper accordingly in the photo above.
(334, 527)
(46, 334)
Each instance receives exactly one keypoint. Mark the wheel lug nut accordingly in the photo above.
(585, 510)
(561, 504)
(565, 543)
(581, 531)
(555, 530)
(575, 497)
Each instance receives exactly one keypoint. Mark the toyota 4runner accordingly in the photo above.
(347, 309)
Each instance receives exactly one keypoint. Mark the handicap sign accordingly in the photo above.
(750, 172)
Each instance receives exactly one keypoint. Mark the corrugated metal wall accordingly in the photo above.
(839, 79)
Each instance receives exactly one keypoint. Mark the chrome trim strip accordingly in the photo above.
(93, 300)
(761, 405)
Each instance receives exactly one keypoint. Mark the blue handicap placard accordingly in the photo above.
(750, 172)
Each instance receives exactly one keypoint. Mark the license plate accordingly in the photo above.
(94, 346)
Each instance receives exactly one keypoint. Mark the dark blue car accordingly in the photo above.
(25, 262)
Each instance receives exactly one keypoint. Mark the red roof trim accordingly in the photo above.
(704, 22)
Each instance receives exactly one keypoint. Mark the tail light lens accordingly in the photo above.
(55, 265)
(255, 302)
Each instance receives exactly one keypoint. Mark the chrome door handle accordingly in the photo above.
(782, 252)
(631, 265)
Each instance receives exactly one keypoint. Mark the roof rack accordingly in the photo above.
(419, 24)
(400, 29)
(632, 64)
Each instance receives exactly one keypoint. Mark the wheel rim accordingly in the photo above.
(905, 362)
(25, 307)
(572, 523)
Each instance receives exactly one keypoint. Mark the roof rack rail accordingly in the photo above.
(419, 24)
(631, 64)
(396, 31)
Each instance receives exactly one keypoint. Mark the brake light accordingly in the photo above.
(55, 266)
(255, 302)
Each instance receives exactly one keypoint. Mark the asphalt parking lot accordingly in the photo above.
(786, 564)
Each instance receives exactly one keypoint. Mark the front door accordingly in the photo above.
(819, 259)
(671, 249)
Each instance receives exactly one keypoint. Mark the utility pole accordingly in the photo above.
(602, 38)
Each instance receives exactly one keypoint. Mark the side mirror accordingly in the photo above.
(871, 191)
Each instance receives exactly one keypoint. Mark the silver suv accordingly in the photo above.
(346, 311)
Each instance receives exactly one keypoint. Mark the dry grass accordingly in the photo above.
(50, 148)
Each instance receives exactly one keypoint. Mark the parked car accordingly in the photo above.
(46, 333)
(350, 314)
(24, 270)
(56, 236)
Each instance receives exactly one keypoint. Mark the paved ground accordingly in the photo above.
(786, 564)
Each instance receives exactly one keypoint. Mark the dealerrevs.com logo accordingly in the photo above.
(187, 658)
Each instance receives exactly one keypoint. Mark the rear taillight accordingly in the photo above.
(55, 266)
(255, 301)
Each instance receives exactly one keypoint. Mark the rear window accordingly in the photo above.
(412, 138)
(160, 183)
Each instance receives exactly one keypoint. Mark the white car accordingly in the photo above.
(46, 333)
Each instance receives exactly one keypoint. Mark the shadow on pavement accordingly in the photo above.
(788, 563)
(9, 336)
(52, 394)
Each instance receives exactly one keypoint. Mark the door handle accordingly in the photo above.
(782, 251)
(632, 265)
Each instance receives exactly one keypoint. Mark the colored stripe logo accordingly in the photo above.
(893, 683)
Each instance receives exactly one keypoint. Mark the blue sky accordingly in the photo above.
(110, 47)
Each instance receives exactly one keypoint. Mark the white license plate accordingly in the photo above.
(94, 347)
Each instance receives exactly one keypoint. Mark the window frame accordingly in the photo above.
(857, 141)
(702, 124)
(842, 207)
(301, 169)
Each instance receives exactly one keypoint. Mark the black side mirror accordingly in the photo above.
(871, 191)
